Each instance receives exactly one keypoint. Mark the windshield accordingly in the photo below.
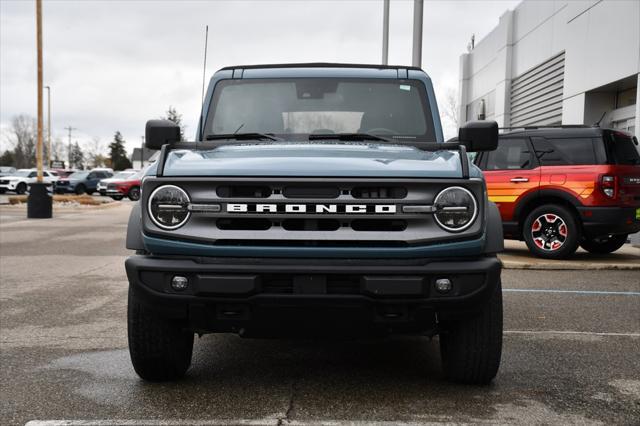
(78, 175)
(298, 107)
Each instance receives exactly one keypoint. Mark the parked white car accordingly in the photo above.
(102, 185)
(20, 180)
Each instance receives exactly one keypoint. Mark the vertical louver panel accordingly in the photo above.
(536, 96)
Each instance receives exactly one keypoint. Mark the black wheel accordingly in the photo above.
(2, 190)
(604, 245)
(551, 232)
(134, 193)
(471, 348)
(117, 197)
(80, 189)
(21, 188)
(160, 349)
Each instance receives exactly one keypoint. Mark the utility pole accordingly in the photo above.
(385, 32)
(48, 125)
(70, 129)
(417, 33)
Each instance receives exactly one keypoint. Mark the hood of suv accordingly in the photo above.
(315, 159)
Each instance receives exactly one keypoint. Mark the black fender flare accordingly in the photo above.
(494, 236)
(545, 193)
(134, 229)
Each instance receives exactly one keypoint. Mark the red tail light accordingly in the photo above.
(609, 185)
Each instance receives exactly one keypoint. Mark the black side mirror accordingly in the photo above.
(160, 132)
(479, 135)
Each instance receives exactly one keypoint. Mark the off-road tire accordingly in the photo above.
(117, 197)
(21, 188)
(471, 348)
(160, 349)
(80, 189)
(134, 193)
(570, 244)
(604, 246)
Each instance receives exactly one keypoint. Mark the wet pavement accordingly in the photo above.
(572, 340)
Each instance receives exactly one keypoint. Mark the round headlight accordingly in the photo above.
(169, 207)
(456, 208)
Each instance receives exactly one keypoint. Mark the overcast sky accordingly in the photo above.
(112, 65)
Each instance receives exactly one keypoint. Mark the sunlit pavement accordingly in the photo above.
(572, 340)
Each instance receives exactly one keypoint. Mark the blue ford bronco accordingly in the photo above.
(316, 200)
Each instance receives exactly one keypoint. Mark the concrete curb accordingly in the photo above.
(568, 266)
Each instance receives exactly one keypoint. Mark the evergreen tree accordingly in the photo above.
(118, 153)
(8, 158)
(77, 156)
(172, 115)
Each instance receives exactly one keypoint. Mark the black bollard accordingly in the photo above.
(39, 203)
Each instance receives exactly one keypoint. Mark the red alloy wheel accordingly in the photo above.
(549, 232)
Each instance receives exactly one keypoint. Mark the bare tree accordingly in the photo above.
(94, 152)
(24, 130)
(58, 149)
(450, 107)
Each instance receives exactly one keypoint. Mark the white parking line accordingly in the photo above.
(568, 332)
(592, 292)
(225, 422)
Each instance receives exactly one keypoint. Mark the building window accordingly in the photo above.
(627, 97)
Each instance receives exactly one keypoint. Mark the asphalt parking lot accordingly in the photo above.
(571, 349)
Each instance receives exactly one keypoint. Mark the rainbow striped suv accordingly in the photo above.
(316, 199)
(558, 188)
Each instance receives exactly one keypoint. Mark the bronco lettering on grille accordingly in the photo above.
(311, 208)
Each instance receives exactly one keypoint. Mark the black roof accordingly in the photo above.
(323, 65)
(556, 132)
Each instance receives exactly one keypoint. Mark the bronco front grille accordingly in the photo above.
(311, 212)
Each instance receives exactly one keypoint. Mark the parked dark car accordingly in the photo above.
(81, 182)
(560, 188)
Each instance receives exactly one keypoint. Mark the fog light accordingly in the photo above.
(179, 283)
(443, 285)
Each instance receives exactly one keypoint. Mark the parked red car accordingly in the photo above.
(128, 187)
(560, 188)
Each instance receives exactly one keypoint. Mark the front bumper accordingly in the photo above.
(64, 189)
(11, 186)
(261, 296)
(602, 221)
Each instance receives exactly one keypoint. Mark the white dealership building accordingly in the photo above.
(557, 62)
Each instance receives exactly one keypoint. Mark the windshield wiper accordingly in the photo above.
(347, 137)
(243, 136)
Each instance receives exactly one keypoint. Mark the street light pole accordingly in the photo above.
(39, 202)
(417, 33)
(385, 32)
(48, 125)
(39, 54)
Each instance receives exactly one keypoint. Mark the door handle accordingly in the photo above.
(520, 179)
